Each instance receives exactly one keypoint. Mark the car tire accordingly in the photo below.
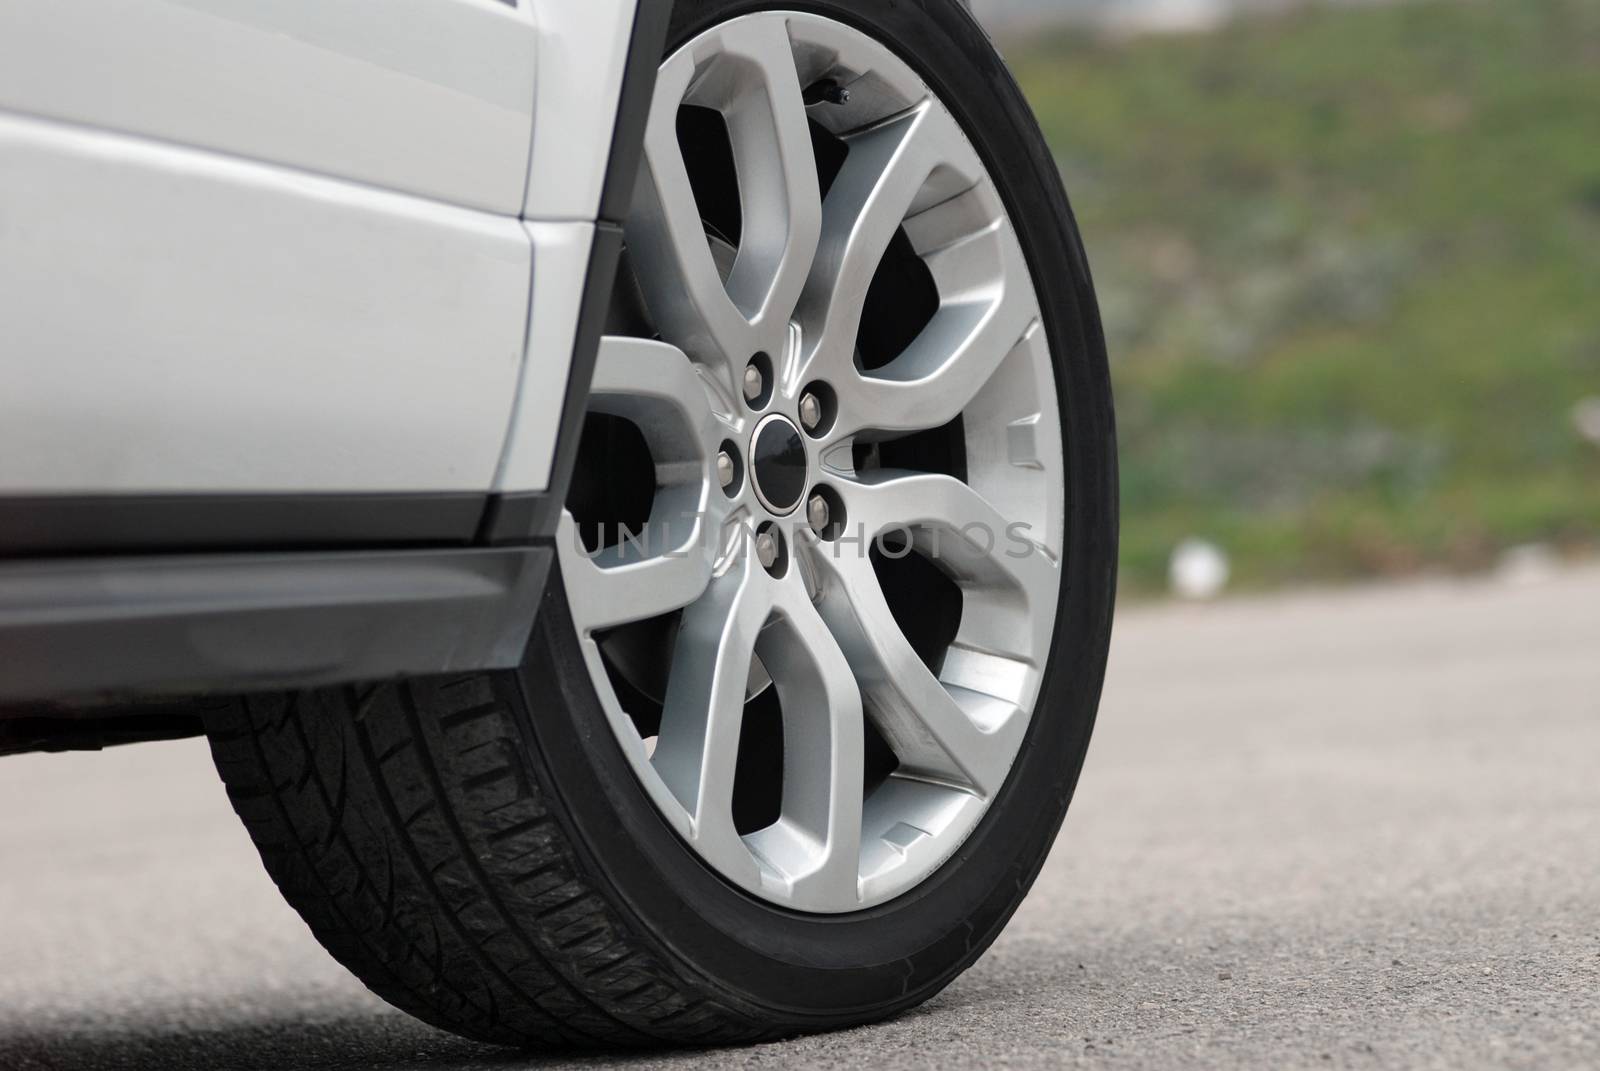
(479, 851)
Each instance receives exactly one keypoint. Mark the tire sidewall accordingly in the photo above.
(814, 970)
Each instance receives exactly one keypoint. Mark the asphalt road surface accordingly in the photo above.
(1352, 829)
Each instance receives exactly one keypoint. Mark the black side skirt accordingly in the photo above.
(102, 628)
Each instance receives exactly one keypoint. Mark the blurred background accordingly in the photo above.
(1348, 256)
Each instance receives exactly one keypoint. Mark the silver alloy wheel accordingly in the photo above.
(817, 622)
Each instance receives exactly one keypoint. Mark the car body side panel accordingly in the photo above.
(430, 97)
(583, 50)
(178, 321)
(274, 251)
(561, 260)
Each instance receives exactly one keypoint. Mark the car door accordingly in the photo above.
(262, 272)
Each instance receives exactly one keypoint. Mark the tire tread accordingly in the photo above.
(400, 823)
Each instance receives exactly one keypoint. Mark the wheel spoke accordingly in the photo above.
(954, 736)
(667, 565)
(957, 528)
(655, 386)
(625, 583)
(750, 78)
(965, 728)
(698, 749)
(667, 241)
(777, 170)
(885, 179)
(988, 309)
(817, 841)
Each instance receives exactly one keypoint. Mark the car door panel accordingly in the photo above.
(179, 321)
(253, 247)
(431, 97)
(271, 248)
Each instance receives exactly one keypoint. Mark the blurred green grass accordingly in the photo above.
(1349, 261)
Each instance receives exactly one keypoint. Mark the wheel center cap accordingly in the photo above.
(778, 462)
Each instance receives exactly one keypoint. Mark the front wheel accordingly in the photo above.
(809, 693)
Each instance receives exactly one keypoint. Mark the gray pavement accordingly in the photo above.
(1326, 829)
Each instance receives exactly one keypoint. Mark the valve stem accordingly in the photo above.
(826, 91)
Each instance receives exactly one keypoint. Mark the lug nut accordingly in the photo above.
(755, 384)
(817, 514)
(810, 411)
(725, 471)
(767, 550)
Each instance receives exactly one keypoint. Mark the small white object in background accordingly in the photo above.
(1198, 570)
(1586, 418)
(1529, 563)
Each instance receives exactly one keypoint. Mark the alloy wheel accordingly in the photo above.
(819, 453)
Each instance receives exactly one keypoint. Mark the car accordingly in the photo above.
(628, 491)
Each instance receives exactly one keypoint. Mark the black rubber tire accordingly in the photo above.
(479, 852)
